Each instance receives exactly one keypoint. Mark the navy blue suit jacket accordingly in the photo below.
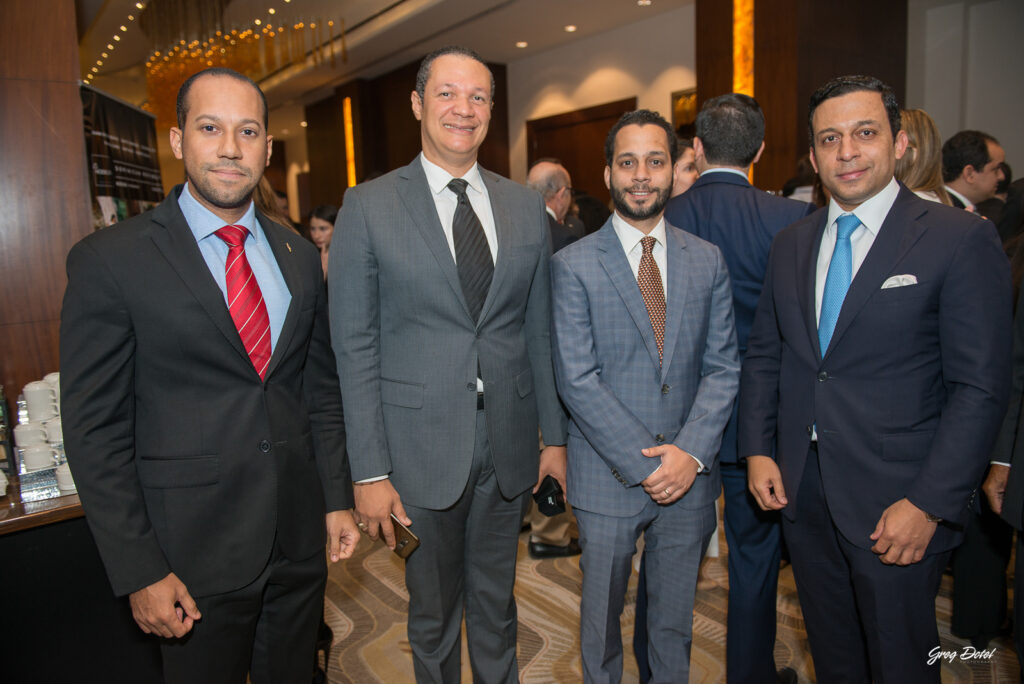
(913, 386)
(741, 220)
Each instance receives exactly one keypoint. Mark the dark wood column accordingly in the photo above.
(44, 191)
(798, 46)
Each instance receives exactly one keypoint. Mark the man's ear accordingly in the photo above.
(417, 105)
(175, 139)
(814, 162)
(757, 157)
(608, 177)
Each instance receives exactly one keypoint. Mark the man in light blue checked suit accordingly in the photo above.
(646, 362)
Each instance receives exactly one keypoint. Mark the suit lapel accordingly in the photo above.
(898, 233)
(616, 265)
(415, 193)
(178, 245)
(677, 286)
(503, 227)
(289, 270)
(807, 248)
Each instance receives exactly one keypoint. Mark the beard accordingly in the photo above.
(224, 198)
(619, 199)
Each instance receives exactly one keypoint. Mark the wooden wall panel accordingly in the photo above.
(43, 182)
(777, 90)
(714, 48)
(325, 141)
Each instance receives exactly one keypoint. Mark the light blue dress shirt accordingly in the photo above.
(204, 223)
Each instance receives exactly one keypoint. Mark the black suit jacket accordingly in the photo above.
(1010, 445)
(185, 460)
(911, 391)
(560, 235)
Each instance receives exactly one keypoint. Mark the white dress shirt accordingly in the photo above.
(447, 201)
(872, 213)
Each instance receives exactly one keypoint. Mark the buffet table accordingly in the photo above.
(62, 621)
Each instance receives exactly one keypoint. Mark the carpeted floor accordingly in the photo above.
(366, 608)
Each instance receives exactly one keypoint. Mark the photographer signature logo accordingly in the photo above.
(965, 653)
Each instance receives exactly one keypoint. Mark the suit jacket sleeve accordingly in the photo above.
(974, 318)
(701, 434)
(326, 417)
(97, 355)
(537, 328)
(1007, 445)
(759, 379)
(355, 332)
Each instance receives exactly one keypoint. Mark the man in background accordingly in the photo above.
(551, 180)
(971, 168)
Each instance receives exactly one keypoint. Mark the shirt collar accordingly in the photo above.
(204, 222)
(630, 237)
(871, 212)
(438, 178)
(968, 204)
(722, 169)
(550, 213)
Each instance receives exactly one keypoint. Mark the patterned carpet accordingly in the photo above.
(366, 608)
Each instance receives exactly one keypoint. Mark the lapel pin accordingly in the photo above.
(289, 247)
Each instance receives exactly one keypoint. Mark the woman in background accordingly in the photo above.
(920, 168)
(321, 227)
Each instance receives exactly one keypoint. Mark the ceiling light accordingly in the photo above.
(284, 131)
(643, 3)
(117, 38)
(271, 11)
(123, 27)
(571, 28)
(257, 22)
(110, 46)
(95, 70)
(139, 5)
(303, 124)
(521, 44)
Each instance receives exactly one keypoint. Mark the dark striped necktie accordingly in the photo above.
(472, 254)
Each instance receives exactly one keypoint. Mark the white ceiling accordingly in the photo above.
(381, 35)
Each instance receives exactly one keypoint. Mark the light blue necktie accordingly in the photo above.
(837, 282)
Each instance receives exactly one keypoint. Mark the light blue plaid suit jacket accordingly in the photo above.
(606, 367)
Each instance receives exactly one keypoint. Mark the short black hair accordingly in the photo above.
(843, 85)
(423, 75)
(966, 148)
(182, 105)
(641, 117)
(325, 212)
(731, 128)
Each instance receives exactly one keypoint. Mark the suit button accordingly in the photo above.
(264, 446)
(665, 389)
(822, 376)
(471, 385)
(659, 437)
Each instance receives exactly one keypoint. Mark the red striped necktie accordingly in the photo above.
(245, 301)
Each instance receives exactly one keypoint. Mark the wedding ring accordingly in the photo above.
(361, 525)
(667, 492)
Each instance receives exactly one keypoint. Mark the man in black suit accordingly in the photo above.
(551, 180)
(1004, 485)
(971, 168)
(877, 369)
(201, 408)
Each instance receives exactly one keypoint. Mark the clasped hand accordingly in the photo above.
(674, 478)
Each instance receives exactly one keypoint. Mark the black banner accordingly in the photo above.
(124, 170)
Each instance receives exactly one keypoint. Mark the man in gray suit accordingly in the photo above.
(646, 362)
(440, 310)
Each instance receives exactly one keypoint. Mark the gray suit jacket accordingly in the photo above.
(408, 350)
(606, 365)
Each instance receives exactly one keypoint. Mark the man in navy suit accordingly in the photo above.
(878, 367)
(726, 210)
(645, 359)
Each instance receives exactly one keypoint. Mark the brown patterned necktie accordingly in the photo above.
(649, 279)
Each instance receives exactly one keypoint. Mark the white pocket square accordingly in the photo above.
(899, 281)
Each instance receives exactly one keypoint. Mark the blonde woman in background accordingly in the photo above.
(920, 168)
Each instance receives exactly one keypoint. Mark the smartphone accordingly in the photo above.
(405, 541)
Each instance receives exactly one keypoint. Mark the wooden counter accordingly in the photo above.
(16, 515)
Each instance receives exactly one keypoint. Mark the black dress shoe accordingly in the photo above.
(539, 550)
(787, 675)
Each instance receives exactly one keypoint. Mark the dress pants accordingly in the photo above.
(753, 539)
(866, 621)
(466, 562)
(266, 629)
(675, 539)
